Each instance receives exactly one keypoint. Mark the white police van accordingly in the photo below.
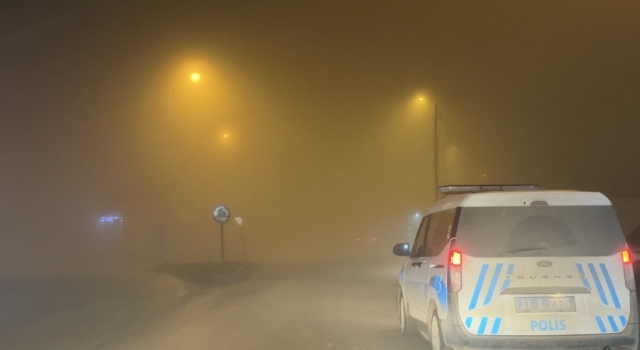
(513, 267)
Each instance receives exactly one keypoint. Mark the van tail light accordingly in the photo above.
(455, 271)
(626, 256)
(627, 264)
(456, 258)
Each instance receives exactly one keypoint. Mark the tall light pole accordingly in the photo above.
(436, 112)
(422, 104)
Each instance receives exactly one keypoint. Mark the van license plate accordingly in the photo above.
(545, 304)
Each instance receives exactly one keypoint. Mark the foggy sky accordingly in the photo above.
(323, 149)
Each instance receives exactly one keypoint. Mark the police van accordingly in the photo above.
(515, 267)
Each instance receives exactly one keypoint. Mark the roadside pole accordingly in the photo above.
(221, 215)
(240, 220)
(435, 152)
(222, 242)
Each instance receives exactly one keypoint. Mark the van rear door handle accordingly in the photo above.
(416, 264)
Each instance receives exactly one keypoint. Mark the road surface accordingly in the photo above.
(283, 305)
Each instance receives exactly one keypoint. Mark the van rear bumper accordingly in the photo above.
(458, 340)
(456, 336)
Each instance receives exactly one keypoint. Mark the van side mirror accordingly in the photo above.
(402, 249)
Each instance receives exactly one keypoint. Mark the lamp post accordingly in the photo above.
(420, 104)
(435, 150)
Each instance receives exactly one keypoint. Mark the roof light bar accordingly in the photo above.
(458, 189)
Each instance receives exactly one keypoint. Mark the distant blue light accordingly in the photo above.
(110, 219)
(417, 215)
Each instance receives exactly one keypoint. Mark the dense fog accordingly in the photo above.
(313, 122)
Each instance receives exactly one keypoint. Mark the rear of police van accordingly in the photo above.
(544, 270)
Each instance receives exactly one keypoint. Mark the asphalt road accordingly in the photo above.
(284, 305)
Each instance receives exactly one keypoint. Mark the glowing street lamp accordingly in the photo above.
(225, 137)
(422, 102)
(195, 77)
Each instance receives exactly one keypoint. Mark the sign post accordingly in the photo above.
(221, 215)
(239, 220)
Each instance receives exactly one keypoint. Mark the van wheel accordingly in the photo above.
(435, 334)
(406, 326)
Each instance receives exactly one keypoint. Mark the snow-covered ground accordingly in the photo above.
(312, 304)
(272, 305)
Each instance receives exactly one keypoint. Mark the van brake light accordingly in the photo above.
(455, 272)
(456, 258)
(626, 256)
(627, 266)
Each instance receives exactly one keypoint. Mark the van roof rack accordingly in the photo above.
(461, 189)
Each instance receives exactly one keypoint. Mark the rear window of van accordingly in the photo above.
(539, 231)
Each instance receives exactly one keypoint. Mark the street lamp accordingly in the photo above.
(195, 77)
(420, 103)
(435, 147)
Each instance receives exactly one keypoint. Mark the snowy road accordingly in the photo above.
(293, 305)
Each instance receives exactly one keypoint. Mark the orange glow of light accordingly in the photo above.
(456, 259)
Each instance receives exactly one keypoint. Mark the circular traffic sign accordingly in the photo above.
(221, 213)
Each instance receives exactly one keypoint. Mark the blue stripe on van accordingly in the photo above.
(596, 279)
(483, 325)
(468, 322)
(601, 324)
(585, 281)
(507, 280)
(623, 321)
(607, 278)
(492, 286)
(440, 288)
(496, 325)
(476, 291)
(613, 324)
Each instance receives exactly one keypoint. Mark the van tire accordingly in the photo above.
(407, 326)
(435, 333)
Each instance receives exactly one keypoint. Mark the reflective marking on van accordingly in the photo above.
(492, 286)
(600, 324)
(476, 291)
(583, 277)
(483, 325)
(496, 325)
(507, 278)
(596, 279)
(612, 321)
(607, 278)
(623, 321)
(613, 324)
(440, 288)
